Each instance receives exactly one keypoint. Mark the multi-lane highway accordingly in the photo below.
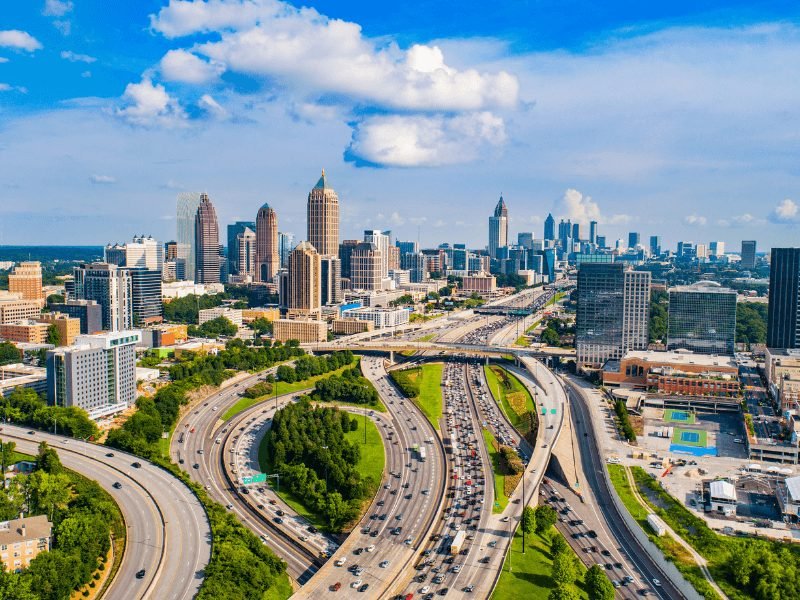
(168, 532)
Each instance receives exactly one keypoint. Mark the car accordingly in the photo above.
(383, 564)
(312, 529)
(31, 432)
(371, 548)
(260, 506)
(109, 455)
(364, 588)
(356, 583)
(656, 582)
(605, 553)
(200, 451)
(505, 519)
(374, 533)
(336, 586)
(117, 485)
(615, 584)
(136, 465)
(358, 551)
(425, 589)
(181, 461)
(443, 591)
(279, 512)
(278, 520)
(469, 588)
(195, 466)
(140, 573)
(229, 506)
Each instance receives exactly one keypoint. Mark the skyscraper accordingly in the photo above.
(525, 239)
(304, 297)
(407, 247)
(235, 229)
(140, 253)
(146, 302)
(267, 246)
(592, 232)
(188, 203)
(634, 239)
(285, 246)
(783, 318)
(345, 252)
(111, 287)
(207, 259)
(549, 227)
(702, 318)
(26, 280)
(381, 241)
(498, 228)
(576, 232)
(415, 264)
(323, 218)
(366, 267)
(655, 245)
(716, 248)
(748, 254)
(245, 244)
(330, 280)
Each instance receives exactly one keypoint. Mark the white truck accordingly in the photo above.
(656, 524)
(458, 541)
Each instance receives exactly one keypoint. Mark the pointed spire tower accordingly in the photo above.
(323, 218)
(498, 228)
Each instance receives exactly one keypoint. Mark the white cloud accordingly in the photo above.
(86, 74)
(150, 105)
(787, 211)
(410, 141)
(103, 179)
(583, 209)
(212, 107)
(3, 60)
(740, 221)
(695, 220)
(75, 57)
(57, 8)
(185, 67)
(4, 87)
(184, 17)
(21, 40)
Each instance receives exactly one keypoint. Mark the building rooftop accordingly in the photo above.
(793, 488)
(705, 286)
(681, 357)
(723, 489)
(19, 530)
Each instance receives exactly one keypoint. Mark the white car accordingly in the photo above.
(215, 409)
(505, 519)
(424, 589)
(371, 548)
(356, 583)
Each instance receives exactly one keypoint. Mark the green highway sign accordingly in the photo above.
(553, 411)
(260, 478)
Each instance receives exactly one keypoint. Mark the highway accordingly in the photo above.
(378, 551)
(169, 535)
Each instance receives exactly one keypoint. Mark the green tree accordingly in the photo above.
(597, 584)
(9, 353)
(47, 460)
(550, 337)
(14, 586)
(528, 520)
(50, 493)
(558, 544)
(562, 592)
(55, 299)
(564, 568)
(7, 450)
(751, 323)
(659, 303)
(261, 326)
(546, 517)
(53, 335)
(53, 575)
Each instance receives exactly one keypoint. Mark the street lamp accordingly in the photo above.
(326, 468)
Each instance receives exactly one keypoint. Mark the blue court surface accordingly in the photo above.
(693, 450)
(692, 437)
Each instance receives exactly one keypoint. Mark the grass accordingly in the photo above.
(371, 463)
(280, 590)
(522, 341)
(427, 338)
(514, 397)
(529, 575)
(283, 388)
(500, 498)
(702, 437)
(670, 417)
(428, 378)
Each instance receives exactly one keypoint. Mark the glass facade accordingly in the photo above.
(702, 318)
(783, 323)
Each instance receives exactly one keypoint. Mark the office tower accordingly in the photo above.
(415, 264)
(459, 256)
(285, 247)
(716, 248)
(498, 228)
(88, 312)
(407, 247)
(234, 229)
(146, 302)
(748, 254)
(268, 259)
(655, 245)
(525, 239)
(26, 280)
(701, 251)
(576, 232)
(394, 258)
(97, 373)
(564, 233)
(592, 232)
(323, 218)
(188, 203)
(549, 227)
(686, 250)
(366, 267)
(244, 248)
(381, 241)
(634, 239)
(304, 285)
(783, 318)
(702, 318)
(207, 259)
(111, 287)
(171, 250)
(140, 253)
(613, 312)
(345, 251)
(114, 254)
(601, 241)
(330, 280)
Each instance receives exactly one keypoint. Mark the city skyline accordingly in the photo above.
(705, 160)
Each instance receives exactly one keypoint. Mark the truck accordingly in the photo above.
(422, 453)
(457, 542)
(656, 525)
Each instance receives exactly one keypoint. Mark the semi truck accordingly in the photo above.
(458, 542)
(656, 524)
(422, 453)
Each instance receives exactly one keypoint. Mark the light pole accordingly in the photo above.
(326, 467)
(522, 515)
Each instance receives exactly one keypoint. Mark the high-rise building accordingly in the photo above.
(592, 232)
(686, 250)
(245, 244)
(285, 247)
(783, 317)
(330, 280)
(366, 264)
(748, 254)
(188, 203)
(549, 227)
(88, 312)
(613, 312)
(702, 318)
(634, 239)
(576, 232)
(207, 259)
(111, 287)
(525, 239)
(498, 228)
(26, 281)
(415, 264)
(655, 245)
(345, 252)
(234, 229)
(716, 248)
(144, 253)
(268, 259)
(601, 241)
(394, 258)
(304, 285)
(97, 373)
(407, 247)
(146, 300)
(323, 218)
(381, 241)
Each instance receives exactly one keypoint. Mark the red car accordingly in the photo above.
(335, 587)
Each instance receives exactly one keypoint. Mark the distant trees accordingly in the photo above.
(221, 326)
(186, 309)
(751, 323)
(407, 380)
(624, 420)
(9, 353)
(311, 366)
(26, 407)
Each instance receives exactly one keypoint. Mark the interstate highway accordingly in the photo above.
(168, 533)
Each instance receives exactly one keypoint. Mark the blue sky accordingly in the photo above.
(662, 118)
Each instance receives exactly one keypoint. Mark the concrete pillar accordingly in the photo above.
(391, 357)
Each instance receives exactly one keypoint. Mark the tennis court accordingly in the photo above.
(679, 416)
(690, 437)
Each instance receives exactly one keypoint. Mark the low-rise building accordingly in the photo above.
(269, 313)
(21, 540)
(351, 326)
(88, 312)
(27, 331)
(164, 334)
(789, 498)
(380, 317)
(782, 368)
(234, 315)
(481, 283)
(19, 375)
(180, 289)
(722, 497)
(306, 331)
(13, 308)
(68, 328)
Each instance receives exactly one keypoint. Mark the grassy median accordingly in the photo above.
(514, 398)
(424, 386)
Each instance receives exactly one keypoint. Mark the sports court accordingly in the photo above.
(691, 441)
(679, 416)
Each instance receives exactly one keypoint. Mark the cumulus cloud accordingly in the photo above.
(75, 57)
(787, 211)
(57, 8)
(19, 40)
(740, 221)
(103, 179)
(415, 140)
(580, 208)
(695, 220)
(149, 105)
(185, 67)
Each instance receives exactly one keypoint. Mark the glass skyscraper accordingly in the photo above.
(783, 323)
(702, 318)
(188, 203)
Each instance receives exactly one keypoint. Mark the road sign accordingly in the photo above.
(553, 411)
(259, 478)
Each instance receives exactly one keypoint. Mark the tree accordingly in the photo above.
(13, 586)
(528, 520)
(48, 460)
(546, 517)
(6, 452)
(598, 585)
(9, 353)
(564, 568)
(562, 592)
(50, 493)
(550, 337)
(558, 544)
(55, 299)
(261, 326)
(53, 335)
